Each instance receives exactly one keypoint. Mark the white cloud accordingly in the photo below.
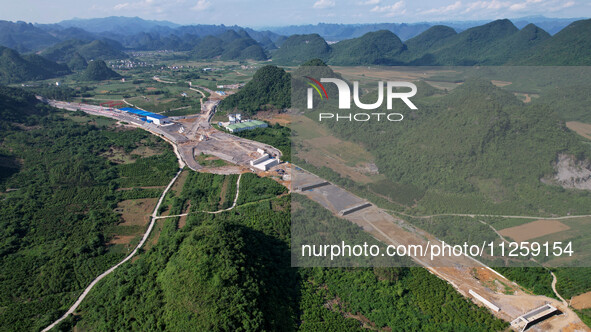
(487, 5)
(541, 5)
(524, 5)
(568, 4)
(201, 5)
(370, 2)
(442, 10)
(390, 10)
(121, 6)
(557, 5)
(320, 4)
(486, 8)
(148, 6)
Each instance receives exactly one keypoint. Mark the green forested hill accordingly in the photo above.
(431, 39)
(52, 67)
(62, 51)
(98, 71)
(77, 62)
(374, 48)
(238, 279)
(517, 45)
(94, 50)
(477, 149)
(24, 37)
(298, 49)
(571, 46)
(473, 45)
(208, 47)
(16, 68)
(230, 45)
(231, 271)
(17, 105)
(270, 86)
(495, 43)
(101, 50)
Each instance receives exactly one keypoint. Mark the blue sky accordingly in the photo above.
(285, 12)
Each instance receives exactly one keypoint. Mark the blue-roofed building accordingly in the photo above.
(147, 116)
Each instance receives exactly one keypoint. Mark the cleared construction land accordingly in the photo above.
(320, 148)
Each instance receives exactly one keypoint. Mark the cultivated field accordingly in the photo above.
(583, 129)
(136, 212)
(534, 230)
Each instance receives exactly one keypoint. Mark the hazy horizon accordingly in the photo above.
(285, 13)
(523, 18)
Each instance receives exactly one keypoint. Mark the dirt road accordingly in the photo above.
(109, 271)
(211, 212)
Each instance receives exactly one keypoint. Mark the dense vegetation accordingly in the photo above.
(19, 106)
(98, 71)
(538, 280)
(298, 49)
(253, 188)
(567, 48)
(24, 37)
(270, 87)
(374, 48)
(422, 301)
(230, 45)
(227, 271)
(275, 135)
(16, 68)
(476, 150)
(94, 50)
(495, 43)
(77, 62)
(58, 217)
(208, 192)
(573, 281)
(231, 271)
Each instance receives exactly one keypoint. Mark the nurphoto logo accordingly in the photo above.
(344, 98)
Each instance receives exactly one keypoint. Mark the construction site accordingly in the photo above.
(193, 135)
(469, 277)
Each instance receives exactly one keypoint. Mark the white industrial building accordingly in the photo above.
(265, 162)
(149, 117)
(156, 118)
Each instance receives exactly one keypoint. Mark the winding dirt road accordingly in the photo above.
(211, 212)
(109, 271)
